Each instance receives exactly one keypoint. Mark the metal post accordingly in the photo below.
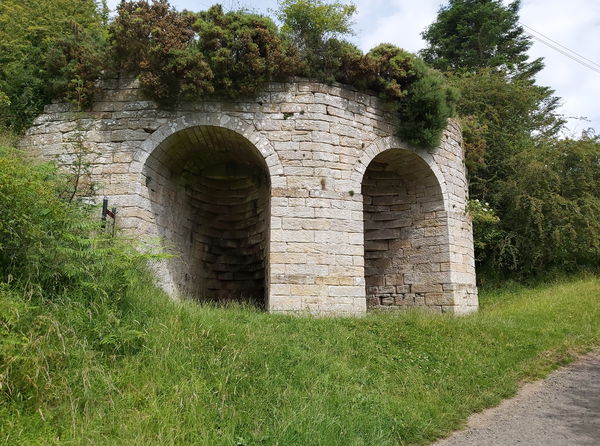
(114, 217)
(104, 211)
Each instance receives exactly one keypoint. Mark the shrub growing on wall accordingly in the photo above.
(243, 51)
(156, 42)
(183, 56)
(416, 92)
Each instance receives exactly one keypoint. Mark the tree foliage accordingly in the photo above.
(34, 36)
(500, 116)
(535, 196)
(316, 28)
(313, 22)
(183, 56)
(243, 50)
(154, 41)
(474, 34)
(550, 205)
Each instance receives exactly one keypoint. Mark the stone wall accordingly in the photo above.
(262, 199)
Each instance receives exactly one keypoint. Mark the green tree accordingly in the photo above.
(535, 196)
(550, 205)
(473, 34)
(483, 49)
(33, 33)
(316, 28)
(500, 117)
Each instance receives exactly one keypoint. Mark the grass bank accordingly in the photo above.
(213, 376)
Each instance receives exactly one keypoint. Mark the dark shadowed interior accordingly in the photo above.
(209, 188)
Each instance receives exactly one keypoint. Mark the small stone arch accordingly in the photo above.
(390, 143)
(405, 227)
(209, 189)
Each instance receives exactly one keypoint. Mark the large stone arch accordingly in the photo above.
(240, 126)
(209, 191)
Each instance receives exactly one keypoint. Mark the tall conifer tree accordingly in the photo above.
(473, 34)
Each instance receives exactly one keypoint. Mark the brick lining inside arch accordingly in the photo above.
(404, 224)
(209, 189)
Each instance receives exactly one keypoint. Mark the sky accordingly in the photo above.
(574, 24)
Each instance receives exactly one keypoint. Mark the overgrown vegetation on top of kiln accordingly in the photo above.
(185, 56)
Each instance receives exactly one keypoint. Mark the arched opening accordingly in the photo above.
(210, 189)
(405, 226)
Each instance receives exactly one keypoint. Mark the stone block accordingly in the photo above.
(342, 291)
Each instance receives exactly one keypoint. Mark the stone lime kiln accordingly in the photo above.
(298, 200)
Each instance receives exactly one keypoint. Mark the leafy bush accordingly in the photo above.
(32, 35)
(549, 208)
(155, 42)
(551, 205)
(493, 247)
(315, 28)
(59, 274)
(74, 63)
(181, 56)
(243, 51)
(518, 165)
(417, 93)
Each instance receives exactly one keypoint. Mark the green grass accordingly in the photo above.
(226, 376)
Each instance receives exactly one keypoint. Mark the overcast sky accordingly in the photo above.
(575, 24)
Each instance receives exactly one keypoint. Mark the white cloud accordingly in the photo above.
(576, 25)
(395, 21)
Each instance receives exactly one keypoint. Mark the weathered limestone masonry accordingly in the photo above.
(299, 200)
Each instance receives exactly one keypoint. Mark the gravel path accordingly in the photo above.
(562, 410)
